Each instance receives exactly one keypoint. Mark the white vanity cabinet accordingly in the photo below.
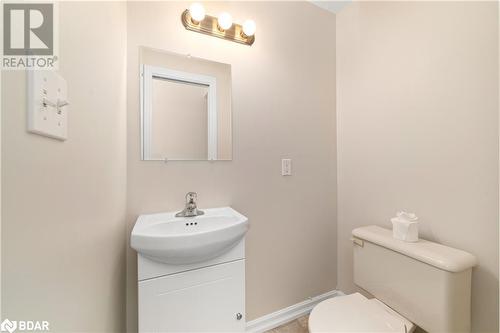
(191, 271)
(200, 300)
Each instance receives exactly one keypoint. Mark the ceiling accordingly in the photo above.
(332, 6)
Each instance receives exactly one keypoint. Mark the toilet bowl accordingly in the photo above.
(356, 313)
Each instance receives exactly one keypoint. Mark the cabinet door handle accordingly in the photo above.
(239, 316)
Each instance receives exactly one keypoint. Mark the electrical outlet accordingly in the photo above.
(286, 167)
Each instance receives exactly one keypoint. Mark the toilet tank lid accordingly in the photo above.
(437, 255)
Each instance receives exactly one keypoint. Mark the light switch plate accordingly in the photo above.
(286, 167)
(47, 119)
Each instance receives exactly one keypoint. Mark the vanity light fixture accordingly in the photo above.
(194, 19)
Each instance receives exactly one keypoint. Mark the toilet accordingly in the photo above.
(423, 284)
(356, 313)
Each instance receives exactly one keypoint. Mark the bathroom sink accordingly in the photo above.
(185, 240)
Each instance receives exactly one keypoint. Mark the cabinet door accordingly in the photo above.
(201, 300)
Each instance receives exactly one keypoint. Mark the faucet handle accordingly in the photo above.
(191, 197)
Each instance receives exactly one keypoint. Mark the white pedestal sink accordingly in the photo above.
(195, 263)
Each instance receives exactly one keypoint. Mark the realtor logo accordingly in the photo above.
(28, 29)
(29, 36)
(8, 326)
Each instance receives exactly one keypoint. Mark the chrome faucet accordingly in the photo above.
(190, 210)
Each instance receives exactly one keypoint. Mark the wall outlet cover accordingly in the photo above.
(286, 167)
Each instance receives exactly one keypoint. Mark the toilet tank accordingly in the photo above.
(426, 282)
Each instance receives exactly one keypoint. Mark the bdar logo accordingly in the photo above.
(8, 326)
(24, 326)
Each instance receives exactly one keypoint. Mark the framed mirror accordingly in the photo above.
(185, 108)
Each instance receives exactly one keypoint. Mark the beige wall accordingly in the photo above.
(417, 87)
(283, 107)
(63, 239)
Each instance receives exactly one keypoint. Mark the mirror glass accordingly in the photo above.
(186, 107)
(176, 103)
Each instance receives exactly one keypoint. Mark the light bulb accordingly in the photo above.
(249, 28)
(197, 12)
(225, 21)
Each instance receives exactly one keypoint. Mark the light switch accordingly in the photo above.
(47, 104)
(286, 167)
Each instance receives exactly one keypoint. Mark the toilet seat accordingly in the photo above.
(356, 313)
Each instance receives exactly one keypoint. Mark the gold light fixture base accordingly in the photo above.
(209, 26)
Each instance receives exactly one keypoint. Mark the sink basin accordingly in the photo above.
(185, 240)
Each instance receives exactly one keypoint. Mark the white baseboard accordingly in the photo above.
(290, 313)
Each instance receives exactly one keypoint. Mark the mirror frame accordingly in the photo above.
(148, 73)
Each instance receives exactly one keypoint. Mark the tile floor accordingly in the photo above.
(298, 325)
